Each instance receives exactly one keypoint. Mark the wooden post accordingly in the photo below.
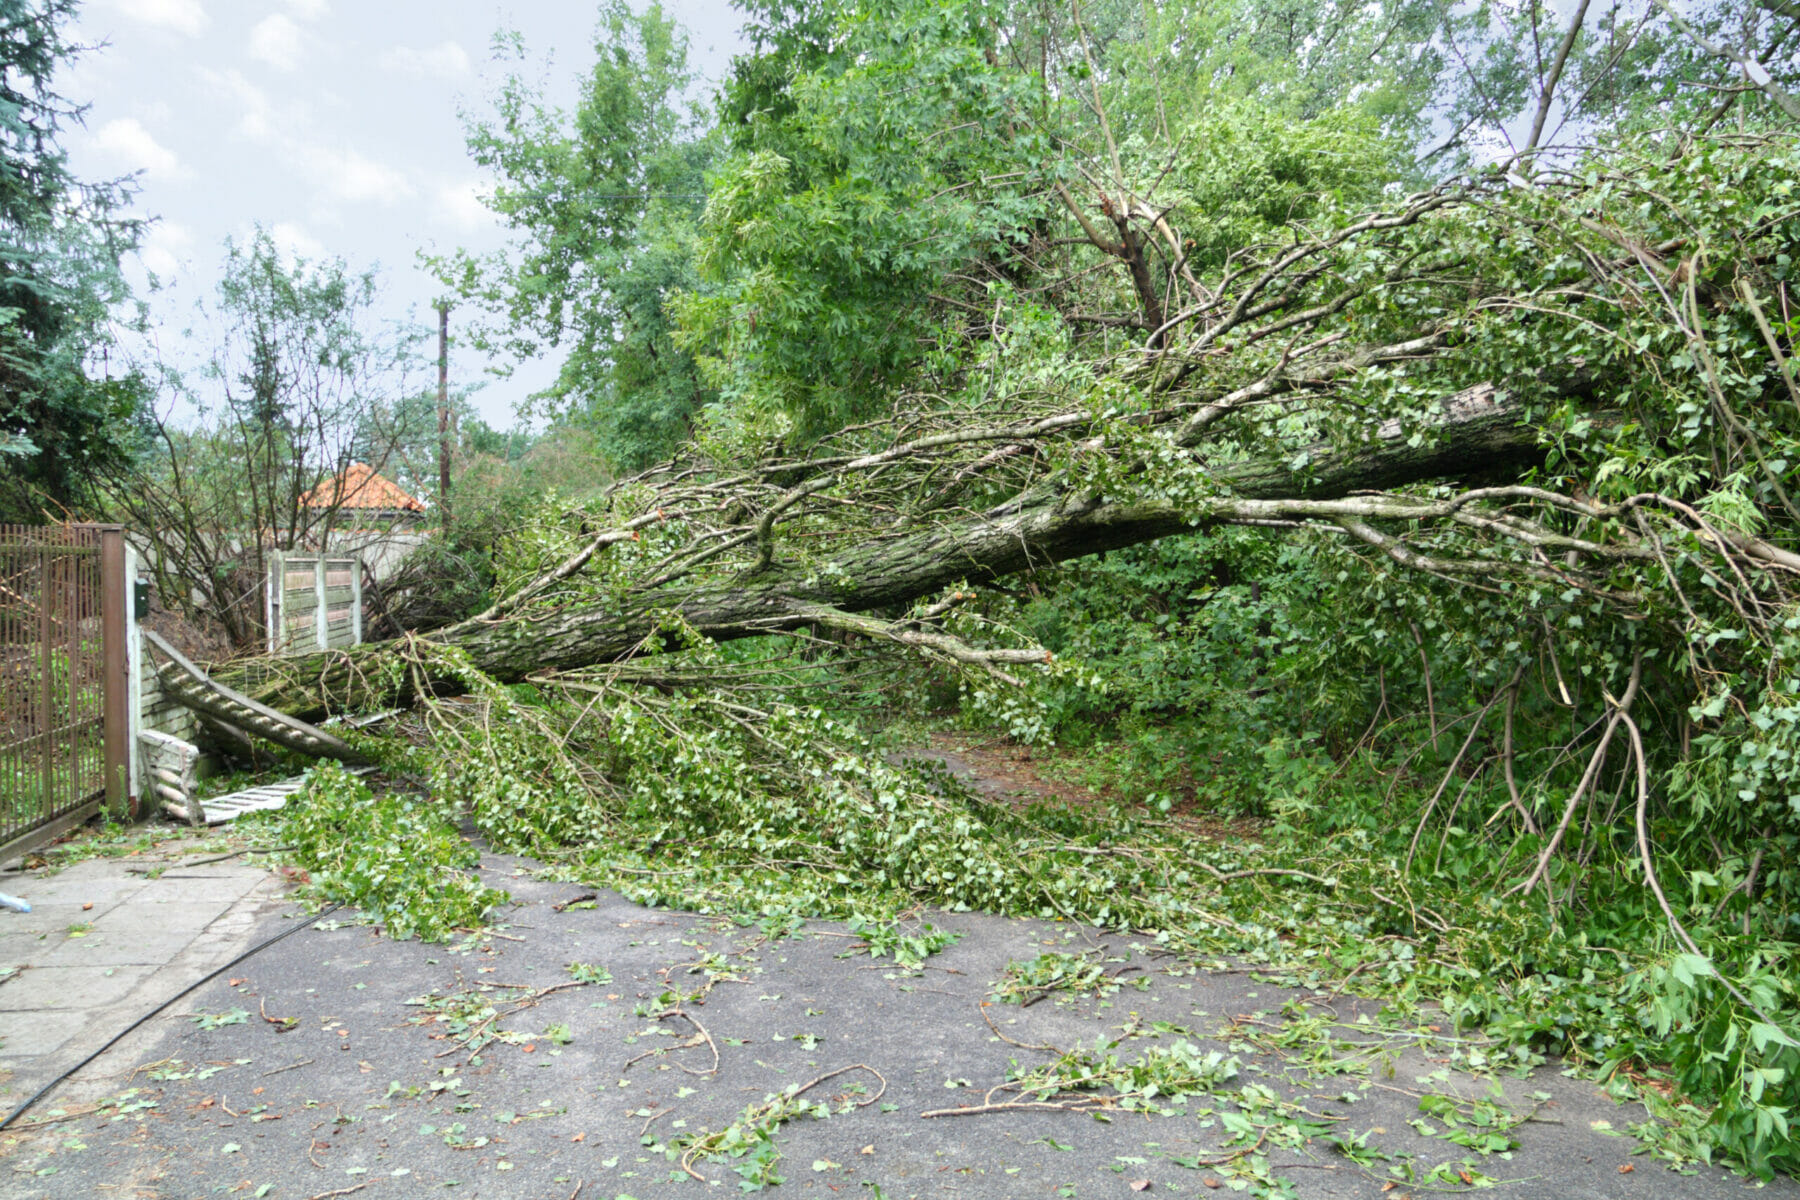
(444, 408)
(115, 626)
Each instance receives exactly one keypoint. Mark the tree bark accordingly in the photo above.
(1477, 437)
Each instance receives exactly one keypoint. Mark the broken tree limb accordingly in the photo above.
(933, 642)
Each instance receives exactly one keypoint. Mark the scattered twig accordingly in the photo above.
(340, 1192)
(1046, 1048)
(305, 1062)
(1088, 1104)
(68, 1116)
(701, 1038)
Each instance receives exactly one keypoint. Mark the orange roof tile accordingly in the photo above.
(358, 486)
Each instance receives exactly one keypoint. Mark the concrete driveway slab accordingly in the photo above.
(86, 973)
(50, 988)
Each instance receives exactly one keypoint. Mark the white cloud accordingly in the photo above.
(309, 10)
(351, 177)
(182, 16)
(446, 60)
(459, 206)
(278, 42)
(128, 142)
(166, 247)
(255, 118)
(294, 242)
(334, 171)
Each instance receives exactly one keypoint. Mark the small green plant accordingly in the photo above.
(582, 972)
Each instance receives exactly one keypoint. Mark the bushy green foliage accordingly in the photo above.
(1591, 970)
(398, 858)
(826, 232)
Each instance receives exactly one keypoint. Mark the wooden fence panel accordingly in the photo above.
(315, 602)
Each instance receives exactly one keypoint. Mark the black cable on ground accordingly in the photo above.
(201, 862)
(135, 1025)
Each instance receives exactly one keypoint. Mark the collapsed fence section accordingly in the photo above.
(64, 679)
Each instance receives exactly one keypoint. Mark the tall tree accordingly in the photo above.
(603, 203)
(62, 419)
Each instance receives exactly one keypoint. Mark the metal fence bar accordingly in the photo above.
(46, 675)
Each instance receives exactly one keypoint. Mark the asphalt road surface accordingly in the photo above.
(339, 1062)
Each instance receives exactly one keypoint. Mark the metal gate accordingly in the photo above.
(64, 733)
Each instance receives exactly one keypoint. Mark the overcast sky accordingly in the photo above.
(331, 122)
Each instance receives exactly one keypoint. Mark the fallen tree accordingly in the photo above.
(1477, 436)
(1560, 415)
(1306, 392)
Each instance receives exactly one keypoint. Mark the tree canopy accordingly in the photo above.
(604, 202)
(63, 416)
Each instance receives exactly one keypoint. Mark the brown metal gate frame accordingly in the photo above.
(64, 680)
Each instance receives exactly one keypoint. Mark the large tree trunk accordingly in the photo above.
(1478, 437)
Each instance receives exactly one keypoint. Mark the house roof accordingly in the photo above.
(359, 487)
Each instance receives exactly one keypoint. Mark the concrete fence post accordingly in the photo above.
(322, 615)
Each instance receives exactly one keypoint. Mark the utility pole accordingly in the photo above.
(444, 408)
